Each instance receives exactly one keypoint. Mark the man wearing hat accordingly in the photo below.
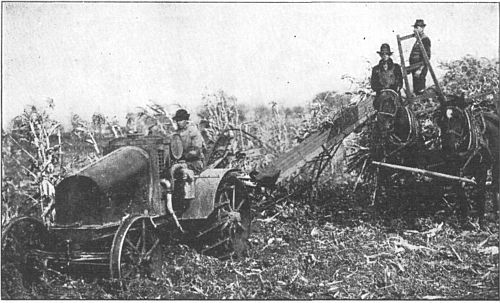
(416, 56)
(386, 74)
(192, 141)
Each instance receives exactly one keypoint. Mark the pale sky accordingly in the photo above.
(112, 57)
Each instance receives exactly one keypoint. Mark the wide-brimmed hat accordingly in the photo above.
(180, 115)
(385, 49)
(419, 22)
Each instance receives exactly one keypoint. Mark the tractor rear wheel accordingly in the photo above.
(230, 222)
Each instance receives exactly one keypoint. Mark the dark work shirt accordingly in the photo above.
(416, 53)
(392, 78)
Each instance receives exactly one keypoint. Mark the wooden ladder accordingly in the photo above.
(408, 69)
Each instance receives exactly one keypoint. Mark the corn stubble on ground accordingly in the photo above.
(337, 250)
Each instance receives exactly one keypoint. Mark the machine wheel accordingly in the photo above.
(19, 238)
(230, 222)
(135, 246)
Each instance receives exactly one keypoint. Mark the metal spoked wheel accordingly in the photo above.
(20, 239)
(135, 246)
(230, 222)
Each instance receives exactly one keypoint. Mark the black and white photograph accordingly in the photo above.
(223, 150)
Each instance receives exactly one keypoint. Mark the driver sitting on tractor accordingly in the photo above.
(192, 141)
(191, 163)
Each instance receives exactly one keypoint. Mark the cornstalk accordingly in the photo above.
(22, 148)
(115, 133)
(223, 108)
(94, 143)
(35, 139)
(26, 169)
(60, 149)
(236, 114)
(241, 137)
(47, 142)
(42, 143)
(214, 113)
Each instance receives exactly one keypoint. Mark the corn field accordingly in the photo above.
(326, 242)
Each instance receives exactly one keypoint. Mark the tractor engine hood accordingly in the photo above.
(104, 191)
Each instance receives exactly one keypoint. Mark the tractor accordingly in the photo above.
(113, 215)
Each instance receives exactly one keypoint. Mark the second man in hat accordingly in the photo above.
(416, 56)
(386, 74)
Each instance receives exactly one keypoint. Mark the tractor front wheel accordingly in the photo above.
(136, 246)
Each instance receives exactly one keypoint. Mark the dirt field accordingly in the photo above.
(339, 249)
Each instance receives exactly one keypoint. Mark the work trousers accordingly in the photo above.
(419, 82)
